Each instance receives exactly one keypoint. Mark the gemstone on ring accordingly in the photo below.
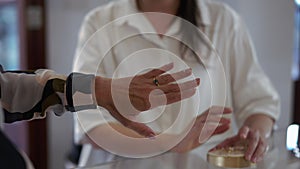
(155, 81)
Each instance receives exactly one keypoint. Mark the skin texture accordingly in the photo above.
(143, 94)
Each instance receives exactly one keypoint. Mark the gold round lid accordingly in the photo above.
(231, 157)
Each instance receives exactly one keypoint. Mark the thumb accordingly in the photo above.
(140, 128)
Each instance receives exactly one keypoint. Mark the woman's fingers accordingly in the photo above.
(217, 119)
(213, 116)
(256, 146)
(209, 128)
(253, 140)
(156, 72)
(260, 151)
(169, 78)
(171, 88)
(219, 110)
(221, 128)
(243, 132)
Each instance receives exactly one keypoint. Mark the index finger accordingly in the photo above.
(243, 132)
(253, 140)
(168, 78)
(219, 110)
(158, 71)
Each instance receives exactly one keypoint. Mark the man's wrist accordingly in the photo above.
(79, 92)
(102, 91)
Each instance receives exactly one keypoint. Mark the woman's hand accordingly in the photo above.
(144, 94)
(253, 134)
(206, 125)
(126, 97)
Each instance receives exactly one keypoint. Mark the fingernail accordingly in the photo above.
(188, 70)
(151, 136)
(198, 81)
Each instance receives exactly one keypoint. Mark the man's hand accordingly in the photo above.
(126, 97)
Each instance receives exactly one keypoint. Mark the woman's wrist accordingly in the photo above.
(262, 123)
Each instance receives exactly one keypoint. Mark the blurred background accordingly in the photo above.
(43, 34)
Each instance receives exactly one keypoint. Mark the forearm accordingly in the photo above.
(262, 123)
